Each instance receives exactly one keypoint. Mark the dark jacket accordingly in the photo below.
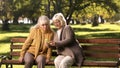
(68, 45)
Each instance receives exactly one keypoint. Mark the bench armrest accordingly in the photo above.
(4, 57)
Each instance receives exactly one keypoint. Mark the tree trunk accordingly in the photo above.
(15, 20)
(5, 25)
(95, 21)
(69, 15)
(48, 9)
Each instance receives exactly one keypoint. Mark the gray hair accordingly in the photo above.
(60, 17)
(42, 20)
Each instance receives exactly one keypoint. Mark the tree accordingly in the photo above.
(28, 8)
(5, 12)
(95, 21)
(70, 8)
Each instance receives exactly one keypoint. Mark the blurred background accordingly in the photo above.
(89, 18)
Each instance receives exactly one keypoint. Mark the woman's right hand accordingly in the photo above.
(20, 59)
(52, 43)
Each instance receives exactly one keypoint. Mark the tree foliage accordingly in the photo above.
(70, 8)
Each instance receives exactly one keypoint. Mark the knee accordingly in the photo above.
(40, 59)
(29, 61)
(63, 63)
(28, 58)
(56, 61)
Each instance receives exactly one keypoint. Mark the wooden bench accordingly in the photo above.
(98, 52)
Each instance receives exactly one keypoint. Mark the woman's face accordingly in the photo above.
(57, 24)
(44, 27)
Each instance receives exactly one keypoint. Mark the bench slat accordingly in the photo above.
(20, 40)
(100, 41)
(85, 63)
(102, 48)
(16, 62)
(17, 53)
(100, 63)
(102, 55)
(93, 55)
(97, 48)
(16, 47)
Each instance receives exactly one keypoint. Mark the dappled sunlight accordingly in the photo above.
(82, 31)
(102, 31)
(86, 33)
(105, 34)
(9, 35)
(4, 48)
(101, 26)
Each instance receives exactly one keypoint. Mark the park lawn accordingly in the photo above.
(82, 31)
(102, 31)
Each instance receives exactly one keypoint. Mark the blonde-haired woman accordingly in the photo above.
(68, 49)
(35, 48)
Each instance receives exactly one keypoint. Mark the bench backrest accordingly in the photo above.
(97, 49)
(101, 49)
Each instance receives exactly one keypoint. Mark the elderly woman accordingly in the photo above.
(68, 49)
(35, 48)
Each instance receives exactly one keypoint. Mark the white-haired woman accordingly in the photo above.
(35, 48)
(68, 49)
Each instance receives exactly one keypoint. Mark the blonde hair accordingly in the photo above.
(60, 17)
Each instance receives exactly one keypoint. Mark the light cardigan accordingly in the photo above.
(68, 45)
(35, 43)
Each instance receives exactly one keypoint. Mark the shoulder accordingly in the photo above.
(67, 27)
(33, 29)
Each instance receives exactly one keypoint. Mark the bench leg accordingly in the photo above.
(0, 65)
(6, 65)
(9, 66)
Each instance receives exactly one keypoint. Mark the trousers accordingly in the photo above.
(29, 60)
(63, 61)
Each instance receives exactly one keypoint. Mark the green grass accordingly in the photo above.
(102, 31)
(82, 31)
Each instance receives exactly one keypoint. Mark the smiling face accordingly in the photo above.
(44, 27)
(59, 20)
(57, 24)
(43, 23)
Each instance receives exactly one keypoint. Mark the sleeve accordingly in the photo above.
(49, 52)
(27, 42)
(69, 37)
